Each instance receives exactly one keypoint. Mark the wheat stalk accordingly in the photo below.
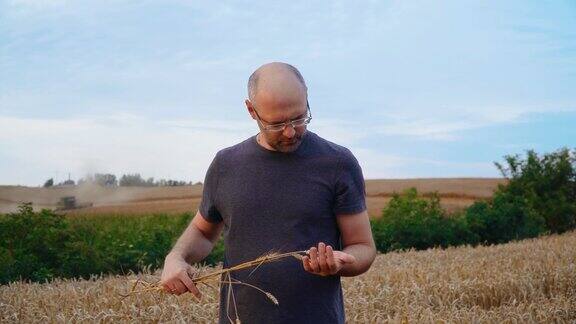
(267, 258)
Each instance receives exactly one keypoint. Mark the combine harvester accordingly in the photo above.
(69, 202)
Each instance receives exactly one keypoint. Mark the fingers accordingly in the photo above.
(320, 260)
(168, 288)
(325, 261)
(177, 280)
(314, 259)
(322, 264)
(178, 288)
(331, 263)
(306, 263)
(190, 286)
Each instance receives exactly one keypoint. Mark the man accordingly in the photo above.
(284, 189)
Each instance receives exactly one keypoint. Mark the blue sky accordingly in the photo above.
(413, 88)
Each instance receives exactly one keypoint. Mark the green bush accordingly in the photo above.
(412, 222)
(32, 244)
(39, 246)
(539, 198)
(547, 184)
(504, 218)
(124, 242)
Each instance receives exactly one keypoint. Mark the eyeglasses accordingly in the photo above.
(281, 126)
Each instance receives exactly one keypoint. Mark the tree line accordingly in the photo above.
(126, 180)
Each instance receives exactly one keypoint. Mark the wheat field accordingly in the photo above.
(519, 282)
(455, 193)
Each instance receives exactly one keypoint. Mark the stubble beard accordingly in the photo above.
(288, 148)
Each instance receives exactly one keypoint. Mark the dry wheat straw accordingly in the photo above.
(532, 281)
(267, 258)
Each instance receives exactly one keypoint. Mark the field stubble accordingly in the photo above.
(528, 281)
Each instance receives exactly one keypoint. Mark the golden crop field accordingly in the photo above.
(455, 194)
(527, 281)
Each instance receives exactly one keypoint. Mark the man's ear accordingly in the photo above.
(250, 108)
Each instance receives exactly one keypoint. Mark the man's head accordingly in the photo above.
(277, 94)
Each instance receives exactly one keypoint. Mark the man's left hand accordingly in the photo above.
(324, 261)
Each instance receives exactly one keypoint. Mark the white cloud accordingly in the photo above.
(118, 144)
(429, 125)
(377, 164)
(450, 124)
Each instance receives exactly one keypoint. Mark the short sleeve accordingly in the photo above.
(208, 207)
(349, 187)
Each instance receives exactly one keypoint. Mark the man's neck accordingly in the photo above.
(262, 142)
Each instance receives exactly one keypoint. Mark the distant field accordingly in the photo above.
(455, 194)
(532, 281)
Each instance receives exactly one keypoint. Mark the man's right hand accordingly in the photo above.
(176, 276)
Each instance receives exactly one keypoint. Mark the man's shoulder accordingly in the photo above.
(236, 151)
(323, 146)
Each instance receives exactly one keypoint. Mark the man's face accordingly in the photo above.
(270, 112)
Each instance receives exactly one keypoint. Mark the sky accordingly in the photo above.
(415, 89)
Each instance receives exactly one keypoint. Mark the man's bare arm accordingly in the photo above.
(356, 257)
(357, 240)
(193, 246)
(197, 241)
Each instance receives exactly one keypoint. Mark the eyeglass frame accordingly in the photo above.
(267, 127)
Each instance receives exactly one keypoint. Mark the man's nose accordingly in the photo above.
(289, 131)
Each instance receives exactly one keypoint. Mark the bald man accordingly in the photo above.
(283, 189)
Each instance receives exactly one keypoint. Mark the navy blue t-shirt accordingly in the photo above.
(281, 202)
